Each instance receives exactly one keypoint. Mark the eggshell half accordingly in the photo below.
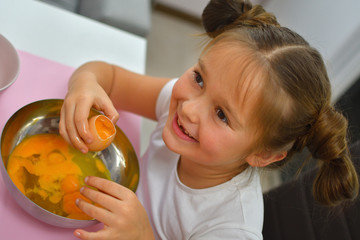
(103, 132)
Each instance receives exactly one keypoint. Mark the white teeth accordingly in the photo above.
(183, 129)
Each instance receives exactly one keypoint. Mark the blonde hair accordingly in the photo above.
(295, 108)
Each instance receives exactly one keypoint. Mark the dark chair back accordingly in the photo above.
(291, 213)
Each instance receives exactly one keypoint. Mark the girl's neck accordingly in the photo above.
(198, 176)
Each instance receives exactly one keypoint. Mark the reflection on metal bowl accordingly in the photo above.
(43, 117)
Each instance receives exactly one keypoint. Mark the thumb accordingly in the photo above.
(111, 113)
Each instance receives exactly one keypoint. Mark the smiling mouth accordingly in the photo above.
(184, 130)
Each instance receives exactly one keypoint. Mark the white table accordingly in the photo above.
(66, 37)
(52, 42)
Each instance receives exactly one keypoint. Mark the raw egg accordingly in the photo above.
(70, 184)
(103, 131)
(51, 173)
(70, 207)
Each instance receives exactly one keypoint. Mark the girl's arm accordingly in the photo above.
(107, 88)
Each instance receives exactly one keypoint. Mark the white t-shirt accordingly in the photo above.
(232, 210)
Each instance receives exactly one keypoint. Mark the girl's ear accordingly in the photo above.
(265, 158)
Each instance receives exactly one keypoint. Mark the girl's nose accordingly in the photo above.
(191, 110)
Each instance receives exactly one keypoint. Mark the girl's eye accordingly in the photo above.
(198, 79)
(221, 115)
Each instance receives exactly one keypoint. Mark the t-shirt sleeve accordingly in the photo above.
(163, 101)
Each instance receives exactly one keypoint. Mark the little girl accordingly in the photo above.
(257, 94)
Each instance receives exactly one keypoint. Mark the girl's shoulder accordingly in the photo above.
(163, 100)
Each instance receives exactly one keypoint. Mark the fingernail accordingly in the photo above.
(82, 189)
(83, 150)
(77, 234)
(77, 201)
(86, 179)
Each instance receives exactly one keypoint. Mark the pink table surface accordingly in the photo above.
(39, 79)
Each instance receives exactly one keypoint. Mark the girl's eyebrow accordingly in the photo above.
(232, 112)
(202, 66)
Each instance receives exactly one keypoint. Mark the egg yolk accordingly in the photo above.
(70, 184)
(72, 209)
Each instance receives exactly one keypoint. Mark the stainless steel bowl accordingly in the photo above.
(43, 117)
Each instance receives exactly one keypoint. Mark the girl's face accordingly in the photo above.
(207, 121)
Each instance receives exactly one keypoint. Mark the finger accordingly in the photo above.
(111, 112)
(65, 124)
(105, 200)
(109, 187)
(72, 133)
(107, 107)
(98, 213)
(82, 234)
(81, 120)
(62, 124)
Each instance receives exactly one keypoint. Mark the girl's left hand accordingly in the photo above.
(123, 215)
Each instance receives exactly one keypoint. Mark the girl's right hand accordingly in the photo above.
(101, 85)
(84, 92)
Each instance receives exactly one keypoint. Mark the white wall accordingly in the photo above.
(191, 7)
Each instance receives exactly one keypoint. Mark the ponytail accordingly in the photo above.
(337, 179)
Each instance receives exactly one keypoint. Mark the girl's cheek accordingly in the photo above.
(179, 89)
